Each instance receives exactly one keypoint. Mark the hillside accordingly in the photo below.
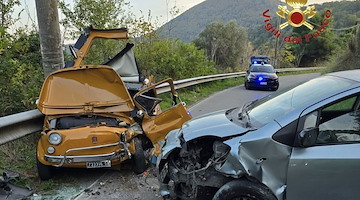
(248, 13)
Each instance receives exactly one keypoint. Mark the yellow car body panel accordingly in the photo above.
(89, 89)
(91, 119)
(83, 137)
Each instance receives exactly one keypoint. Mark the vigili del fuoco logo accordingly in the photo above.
(296, 17)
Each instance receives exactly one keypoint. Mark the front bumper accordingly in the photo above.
(60, 160)
(266, 83)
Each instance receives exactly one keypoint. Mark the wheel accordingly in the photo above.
(275, 88)
(243, 190)
(247, 85)
(139, 157)
(45, 171)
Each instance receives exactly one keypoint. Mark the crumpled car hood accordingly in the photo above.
(211, 124)
(88, 89)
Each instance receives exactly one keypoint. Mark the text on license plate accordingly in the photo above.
(263, 83)
(98, 164)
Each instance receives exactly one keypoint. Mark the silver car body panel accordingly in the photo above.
(212, 124)
(255, 154)
(289, 172)
(324, 172)
(172, 142)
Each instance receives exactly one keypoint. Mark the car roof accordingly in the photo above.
(349, 74)
(259, 57)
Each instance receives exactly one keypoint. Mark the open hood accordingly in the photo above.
(84, 90)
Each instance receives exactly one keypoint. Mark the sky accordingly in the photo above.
(159, 8)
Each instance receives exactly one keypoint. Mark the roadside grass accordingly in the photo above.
(20, 155)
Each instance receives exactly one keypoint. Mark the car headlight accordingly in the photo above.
(55, 138)
(252, 76)
(51, 150)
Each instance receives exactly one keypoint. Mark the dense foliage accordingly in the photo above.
(20, 64)
(248, 14)
(350, 59)
(175, 59)
(225, 44)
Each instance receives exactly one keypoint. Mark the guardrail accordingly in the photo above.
(18, 125)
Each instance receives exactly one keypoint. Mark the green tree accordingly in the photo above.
(155, 55)
(20, 64)
(225, 44)
(6, 10)
(102, 14)
(320, 47)
(175, 59)
(21, 73)
(350, 59)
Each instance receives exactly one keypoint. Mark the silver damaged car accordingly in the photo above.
(302, 143)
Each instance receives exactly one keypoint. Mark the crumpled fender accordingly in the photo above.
(172, 142)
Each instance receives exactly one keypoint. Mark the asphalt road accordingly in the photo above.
(238, 96)
(123, 184)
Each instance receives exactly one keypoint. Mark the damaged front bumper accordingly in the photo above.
(190, 164)
(60, 160)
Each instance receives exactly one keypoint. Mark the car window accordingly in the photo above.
(339, 123)
(342, 105)
(267, 109)
(268, 69)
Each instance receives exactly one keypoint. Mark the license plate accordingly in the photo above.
(263, 83)
(98, 164)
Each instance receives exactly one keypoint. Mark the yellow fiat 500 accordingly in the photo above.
(98, 116)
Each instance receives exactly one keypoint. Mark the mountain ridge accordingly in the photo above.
(247, 13)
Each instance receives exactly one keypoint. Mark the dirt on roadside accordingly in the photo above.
(123, 185)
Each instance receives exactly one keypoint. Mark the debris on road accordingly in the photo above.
(10, 191)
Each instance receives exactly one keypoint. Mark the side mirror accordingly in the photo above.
(308, 136)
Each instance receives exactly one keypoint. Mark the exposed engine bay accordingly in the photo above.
(192, 169)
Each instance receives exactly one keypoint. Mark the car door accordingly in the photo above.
(329, 169)
(155, 122)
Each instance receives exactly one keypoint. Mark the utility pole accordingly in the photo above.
(50, 38)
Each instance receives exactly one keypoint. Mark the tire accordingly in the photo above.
(139, 157)
(274, 89)
(247, 85)
(45, 172)
(243, 190)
